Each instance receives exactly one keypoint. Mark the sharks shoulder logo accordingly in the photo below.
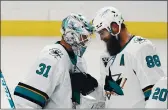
(139, 40)
(55, 52)
(114, 85)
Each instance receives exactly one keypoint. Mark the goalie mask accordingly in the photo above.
(76, 32)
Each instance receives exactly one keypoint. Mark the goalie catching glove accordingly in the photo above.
(84, 83)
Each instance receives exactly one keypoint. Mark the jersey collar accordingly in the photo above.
(127, 43)
(71, 54)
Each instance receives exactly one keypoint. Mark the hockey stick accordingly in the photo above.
(3, 82)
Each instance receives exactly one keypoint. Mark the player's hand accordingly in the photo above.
(84, 83)
(90, 83)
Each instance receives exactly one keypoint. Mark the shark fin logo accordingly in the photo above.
(114, 85)
(140, 40)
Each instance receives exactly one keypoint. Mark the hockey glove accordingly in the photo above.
(90, 83)
(84, 83)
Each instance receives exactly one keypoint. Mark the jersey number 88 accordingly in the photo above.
(153, 61)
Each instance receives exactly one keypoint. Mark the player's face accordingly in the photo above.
(112, 44)
(84, 40)
(104, 35)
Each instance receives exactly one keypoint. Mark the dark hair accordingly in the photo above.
(123, 26)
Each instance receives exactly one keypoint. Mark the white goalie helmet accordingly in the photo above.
(106, 16)
(76, 32)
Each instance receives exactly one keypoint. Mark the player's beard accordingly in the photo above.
(113, 46)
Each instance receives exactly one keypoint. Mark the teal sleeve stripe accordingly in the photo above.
(30, 95)
(147, 91)
(147, 94)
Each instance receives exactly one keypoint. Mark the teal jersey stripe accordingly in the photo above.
(147, 94)
(28, 94)
(122, 63)
(76, 97)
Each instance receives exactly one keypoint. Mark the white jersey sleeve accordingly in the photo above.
(148, 65)
(158, 98)
(37, 87)
(150, 59)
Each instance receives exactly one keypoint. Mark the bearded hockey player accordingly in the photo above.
(159, 95)
(131, 65)
(58, 77)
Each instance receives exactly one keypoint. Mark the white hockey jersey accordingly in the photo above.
(47, 84)
(133, 72)
(159, 95)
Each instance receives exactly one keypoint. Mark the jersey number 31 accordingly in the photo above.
(44, 70)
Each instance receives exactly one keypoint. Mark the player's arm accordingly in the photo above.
(150, 67)
(37, 87)
(159, 95)
(149, 58)
(144, 80)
